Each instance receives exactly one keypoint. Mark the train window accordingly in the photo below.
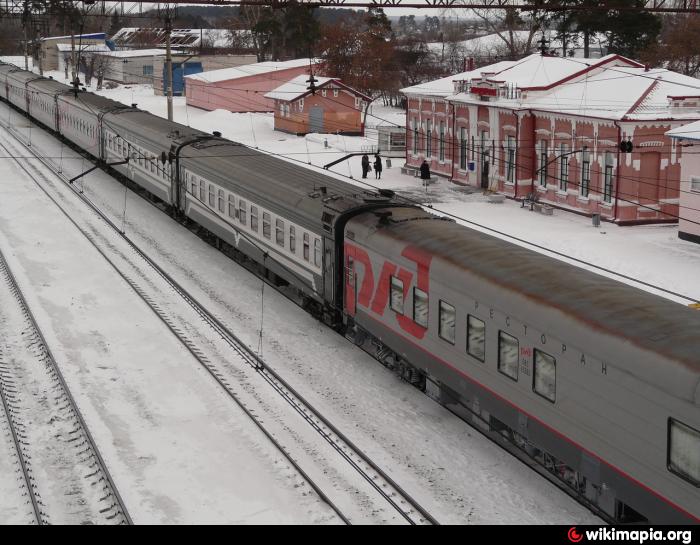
(242, 213)
(153, 165)
(231, 206)
(221, 200)
(279, 232)
(420, 307)
(317, 252)
(545, 377)
(446, 328)
(508, 355)
(267, 228)
(684, 451)
(212, 196)
(476, 337)
(396, 291)
(202, 191)
(254, 218)
(292, 239)
(306, 246)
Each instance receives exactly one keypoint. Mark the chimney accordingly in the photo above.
(646, 67)
(134, 105)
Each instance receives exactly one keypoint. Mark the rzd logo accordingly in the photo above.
(375, 297)
(574, 536)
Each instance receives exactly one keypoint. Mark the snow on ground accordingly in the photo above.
(179, 450)
(457, 474)
(15, 506)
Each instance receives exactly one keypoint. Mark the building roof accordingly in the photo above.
(83, 47)
(94, 36)
(445, 86)
(226, 74)
(691, 131)
(623, 93)
(612, 87)
(130, 53)
(298, 87)
(180, 37)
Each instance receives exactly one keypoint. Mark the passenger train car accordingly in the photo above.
(596, 380)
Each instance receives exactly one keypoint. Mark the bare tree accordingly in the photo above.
(510, 25)
(102, 65)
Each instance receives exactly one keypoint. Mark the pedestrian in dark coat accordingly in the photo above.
(365, 165)
(377, 167)
(425, 171)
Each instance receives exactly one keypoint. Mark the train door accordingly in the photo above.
(350, 287)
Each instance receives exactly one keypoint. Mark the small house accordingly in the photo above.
(332, 107)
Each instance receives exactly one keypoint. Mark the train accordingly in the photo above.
(596, 380)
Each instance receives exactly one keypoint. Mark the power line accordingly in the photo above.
(412, 201)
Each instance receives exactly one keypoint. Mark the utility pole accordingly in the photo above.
(73, 71)
(168, 66)
(25, 25)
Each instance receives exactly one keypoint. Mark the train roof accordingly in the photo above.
(648, 321)
(296, 188)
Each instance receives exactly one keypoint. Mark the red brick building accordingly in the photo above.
(552, 126)
(333, 108)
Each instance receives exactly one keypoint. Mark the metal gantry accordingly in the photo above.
(19, 8)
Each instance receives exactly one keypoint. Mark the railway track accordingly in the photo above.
(357, 489)
(25, 495)
(66, 479)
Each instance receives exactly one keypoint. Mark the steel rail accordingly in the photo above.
(36, 510)
(296, 400)
(188, 345)
(103, 466)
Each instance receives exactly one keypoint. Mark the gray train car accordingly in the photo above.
(42, 101)
(280, 214)
(143, 137)
(602, 378)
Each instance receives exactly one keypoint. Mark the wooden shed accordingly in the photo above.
(333, 108)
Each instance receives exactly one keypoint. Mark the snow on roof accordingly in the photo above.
(95, 36)
(620, 92)
(83, 47)
(445, 86)
(225, 74)
(691, 131)
(612, 87)
(180, 37)
(298, 87)
(130, 53)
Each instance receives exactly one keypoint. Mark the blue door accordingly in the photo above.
(179, 75)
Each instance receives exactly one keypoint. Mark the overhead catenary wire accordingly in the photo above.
(532, 244)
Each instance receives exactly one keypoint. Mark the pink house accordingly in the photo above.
(688, 136)
(243, 88)
(553, 127)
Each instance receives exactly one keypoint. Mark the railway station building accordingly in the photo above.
(333, 108)
(588, 135)
(687, 138)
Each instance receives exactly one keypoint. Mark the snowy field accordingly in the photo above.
(178, 451)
